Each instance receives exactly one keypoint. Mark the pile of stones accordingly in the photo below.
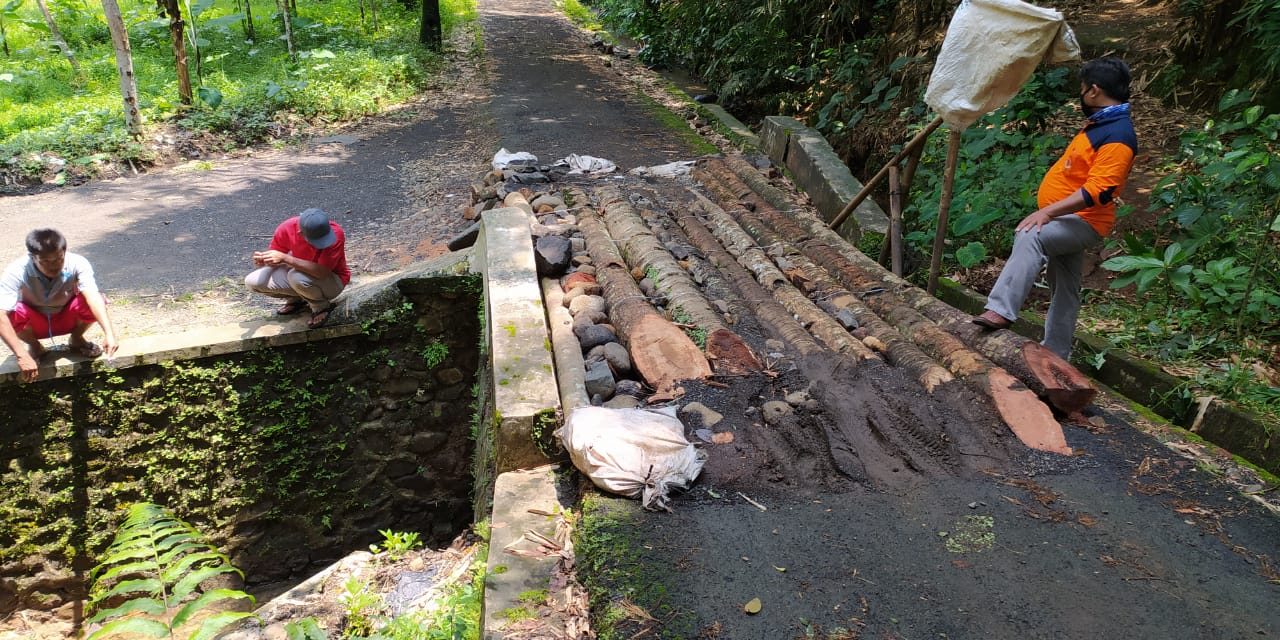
(560, 252)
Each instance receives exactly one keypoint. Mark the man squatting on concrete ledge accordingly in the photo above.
(306, 264)
(1077, 208)
(48, 293)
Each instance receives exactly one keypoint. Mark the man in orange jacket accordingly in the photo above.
(1077, 208)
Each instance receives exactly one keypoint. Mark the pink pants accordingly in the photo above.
(61, 323)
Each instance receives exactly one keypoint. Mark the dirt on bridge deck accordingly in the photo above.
(873, 508)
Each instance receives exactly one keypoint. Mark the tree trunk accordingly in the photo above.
(171, 10)
(660, 351)
(4, 37)
(1017, 406)
(249, 33)
(825, 328)
(124, 65)
(642, 250)
(429, 30)
(287, 24)
(1040, 369)
(833, 299)
(59, 40)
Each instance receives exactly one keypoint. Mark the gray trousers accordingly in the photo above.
(1061, 244)
(289, 283)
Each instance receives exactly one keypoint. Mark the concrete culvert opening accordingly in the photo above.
(288, 452)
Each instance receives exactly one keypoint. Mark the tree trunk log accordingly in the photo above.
(1018, 406)
(178, 38)
(641, 249)
(738, 243)
(1041, 370)
(429, 29)
(660, 351)
(59, 40)
(833, 298)
(124, 66)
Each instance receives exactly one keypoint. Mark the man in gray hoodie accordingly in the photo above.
(48, 293)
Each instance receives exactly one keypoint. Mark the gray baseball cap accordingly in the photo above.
(314, 224)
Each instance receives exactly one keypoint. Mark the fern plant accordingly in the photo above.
(157, 564)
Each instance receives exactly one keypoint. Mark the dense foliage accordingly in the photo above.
(1197, 286)
(348, 64)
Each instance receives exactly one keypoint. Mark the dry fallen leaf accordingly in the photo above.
(724, 437)
(752, 607)
(1086, 519)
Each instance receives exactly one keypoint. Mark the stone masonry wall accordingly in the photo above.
(287, 457)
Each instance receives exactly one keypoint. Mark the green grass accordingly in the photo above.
(345, 70)
(579, 14)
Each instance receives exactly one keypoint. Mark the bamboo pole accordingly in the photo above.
(917, 141)
(895, 222)
(944, 207)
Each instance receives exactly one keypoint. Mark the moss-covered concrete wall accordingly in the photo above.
(289, 457)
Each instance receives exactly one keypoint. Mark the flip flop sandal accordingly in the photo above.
(87, 349)
(291, 307)
(318, 318)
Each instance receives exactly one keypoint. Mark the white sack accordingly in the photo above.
(632, 452)
(503, 159)
(991, 49)
(668, 170)
(586, 164)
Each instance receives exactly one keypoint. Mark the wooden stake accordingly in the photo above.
(944, 206)
(917, 141)
(895, 222)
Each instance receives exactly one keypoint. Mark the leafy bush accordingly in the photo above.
(1222, 205)
(346, 70)
(155, 564)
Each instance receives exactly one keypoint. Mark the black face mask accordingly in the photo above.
(1088, 110)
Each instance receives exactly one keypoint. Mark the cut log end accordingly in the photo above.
(1064, 385)
(730, 353)
(1029, 418)
(663, 354)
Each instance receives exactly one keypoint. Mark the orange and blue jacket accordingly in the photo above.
(1096, 164)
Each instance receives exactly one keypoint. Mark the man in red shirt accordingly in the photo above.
(306, 264)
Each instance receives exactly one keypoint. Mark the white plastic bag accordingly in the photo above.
(503, 159)
(668, 170)
(632, 452)
(586, 164)
(991, 49)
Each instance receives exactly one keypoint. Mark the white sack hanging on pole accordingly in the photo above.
(991, 49)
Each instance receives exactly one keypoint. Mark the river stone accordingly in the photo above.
(615, 354)
(551, 254)
(623, 401)
(579, 244)
(587, 303)
(775, 411)
(846, 319)
(707, 417)
(401, 386)
(555, 202)
(587, 269)
(594, 335)
(449, 376)
(646, 287)
(582, 259)
(466, 238)
(630, 388)
(599, 380)
(588, 318)
(579, 291)
(574, 279)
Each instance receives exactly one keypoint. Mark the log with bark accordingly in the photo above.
(833, 298)
(739, 244)
(685, 303)
(1043, 371)
(874, 434)
(660, 351)
(1017, 405)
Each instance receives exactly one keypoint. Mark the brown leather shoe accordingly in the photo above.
(992, 320)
